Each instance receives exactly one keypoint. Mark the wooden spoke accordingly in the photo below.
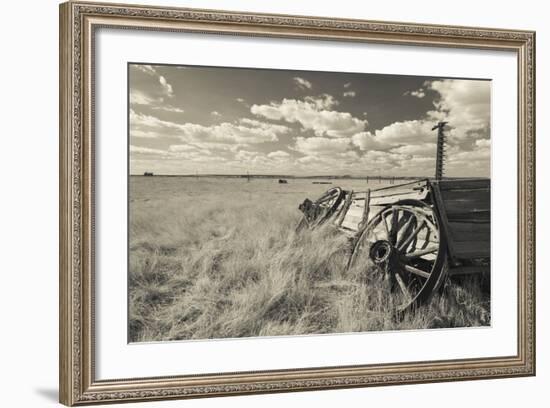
(405, 230)
(403, 287)
(421, 252)
(386, 227)
(416, 271)
(394, 222)
(401, 247)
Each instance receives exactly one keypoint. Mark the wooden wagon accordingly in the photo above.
(418, 233)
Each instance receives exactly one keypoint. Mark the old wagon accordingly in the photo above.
(419, 232)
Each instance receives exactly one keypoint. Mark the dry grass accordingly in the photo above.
(219, 258)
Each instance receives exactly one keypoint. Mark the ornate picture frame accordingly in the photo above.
(78, 24)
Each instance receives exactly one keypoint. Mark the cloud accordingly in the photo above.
(146, 150)
(313, 114)
(482, 143)
(141, 98)
(146, 69)
(241, 100)
(154, 97)
(245, 131)
(366, 141)
(302, 83)
(315, 146)
(466, 105)
(419, 150)
(279, 154)
(409, 132)
(166, 87)
(169, 108)
(347, 84)
(349, 94)
(215, 113)
(230, 132)
(419, 93)
(324, 101)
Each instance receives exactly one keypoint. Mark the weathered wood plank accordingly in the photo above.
(463, 184)
(481, 217)
(366, 209)
(440, 208)
(472, 249)
(354, 226)
(466, 206)
(345, 208)
(465, 231)
(470, 194)
(352, 218)
(469, 270)
(355, 210)
(398, 196)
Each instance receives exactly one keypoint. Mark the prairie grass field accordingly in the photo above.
(220, 258)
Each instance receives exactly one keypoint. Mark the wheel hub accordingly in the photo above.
(381, 252)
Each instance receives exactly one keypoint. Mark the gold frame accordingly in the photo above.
(78, 22)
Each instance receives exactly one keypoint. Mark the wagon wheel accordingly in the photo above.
(405, 244)
(319, 211)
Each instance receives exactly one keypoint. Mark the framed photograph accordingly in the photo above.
(258, 203)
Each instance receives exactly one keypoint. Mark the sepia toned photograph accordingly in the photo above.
(269, 202)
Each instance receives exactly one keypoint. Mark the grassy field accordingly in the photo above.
(218, 258)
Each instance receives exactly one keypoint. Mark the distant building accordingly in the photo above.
(147, 174)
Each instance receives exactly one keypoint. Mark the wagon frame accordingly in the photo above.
(419, 233)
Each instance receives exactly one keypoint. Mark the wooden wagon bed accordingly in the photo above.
(427, 228)
(463, 205)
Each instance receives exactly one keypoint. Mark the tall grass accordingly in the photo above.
(216, 259)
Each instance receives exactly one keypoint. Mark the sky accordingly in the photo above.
(217, 120)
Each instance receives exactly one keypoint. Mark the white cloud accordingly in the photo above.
(147, 69)
(409, 132)
(217, 146)
(302, 83)
(321, 102)
(313, 114)
(146, 150)
(169, 108)
(246, 131)
(140, 98)
(229, 132)
(466, 105)
(366, 141)
(149, 134)
(419, 150)
(279, 154)
(419, 93)
(241, 100)
(189, 148)
(314, 146)
(349, 94)
(482, 143)
(245, 155)
(215, 113)
(166, 87)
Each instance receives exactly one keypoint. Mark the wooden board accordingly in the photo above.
(465, 210)
(463, 184)
(354, 215)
